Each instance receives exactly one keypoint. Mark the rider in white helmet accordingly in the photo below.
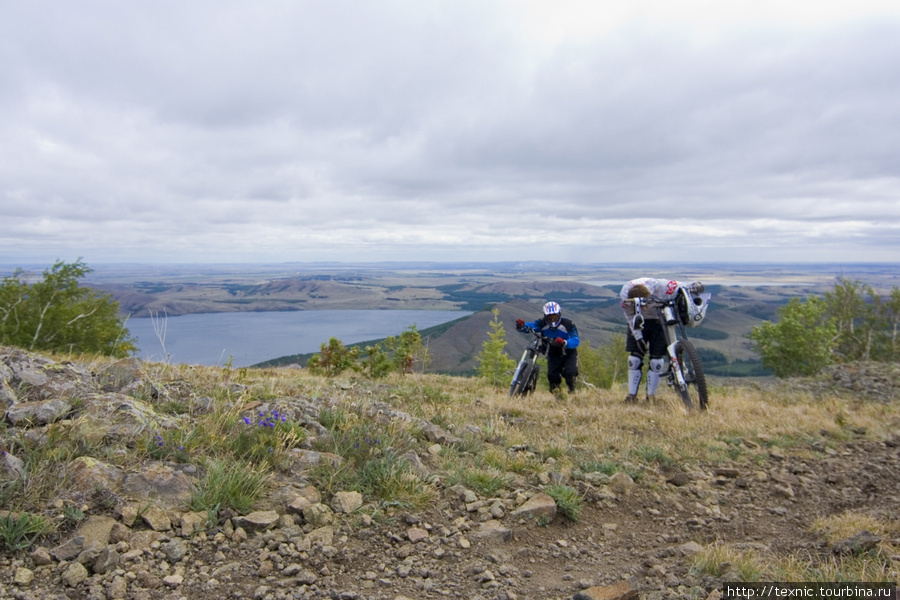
(562, 356)
(647, 335)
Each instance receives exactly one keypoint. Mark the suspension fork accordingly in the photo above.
(672, 349)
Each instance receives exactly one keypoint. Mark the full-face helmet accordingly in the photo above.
(692, 306)
(552, 312)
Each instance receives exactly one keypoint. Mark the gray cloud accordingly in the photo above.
(441, 130)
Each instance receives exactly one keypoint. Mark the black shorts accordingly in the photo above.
(655, 336)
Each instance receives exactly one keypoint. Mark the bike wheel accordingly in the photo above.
(694, 379)
(533, 379)
(520, 384)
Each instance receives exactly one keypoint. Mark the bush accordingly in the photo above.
(55, 314)
(333, 359)
(800, 343)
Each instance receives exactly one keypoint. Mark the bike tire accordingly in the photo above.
(692, 370)
(533, 379)
(520, 384)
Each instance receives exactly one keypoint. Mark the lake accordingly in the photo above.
(248, 338)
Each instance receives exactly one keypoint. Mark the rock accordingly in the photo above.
(23, 576)
(89, 474)
(30, 414)
(107, 561)
(539, 506)
(318, 515)
(119, 375)
(175, 550)
(11, 467)
(156, 518)
(679, 479)
(618, 591)
(493, 530)
(858, 544)
(169, 486)
(74, 574)
(257, 521)
(416, 535)
(621, 483)
(437, 435)
(346, 502)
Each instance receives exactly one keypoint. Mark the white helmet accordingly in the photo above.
(551, 308)
(692, 307)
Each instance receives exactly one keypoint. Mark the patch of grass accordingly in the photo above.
(230, 484)
(567, 499)
(721, 559)
(18, 532)
(482, 481)
(654, 455)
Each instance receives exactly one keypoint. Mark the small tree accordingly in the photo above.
(333, 359)
(800, 342)
(493, 361)
(58, 315)
(407, 349)
(376, 364)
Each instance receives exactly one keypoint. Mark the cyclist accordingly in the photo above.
(645, 332)
(562, 356)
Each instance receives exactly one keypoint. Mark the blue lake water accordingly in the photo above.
(248, 338)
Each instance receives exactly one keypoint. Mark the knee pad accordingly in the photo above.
(658, 365)
(635, 362)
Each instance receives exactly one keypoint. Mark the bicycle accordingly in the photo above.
(676, 314)
(526, 375)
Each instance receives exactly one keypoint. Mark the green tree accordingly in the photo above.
(58, 315)
(801, 342)
(376, 364)
(854, 317)
(407, 349)
(333, 359)
(494, 363)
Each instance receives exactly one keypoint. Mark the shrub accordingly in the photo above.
(58, 315)
(333, 359)
(800, 343)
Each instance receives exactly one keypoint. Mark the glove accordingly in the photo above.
(641, 342)
(520, 324)
(697, 288)
(559, 342)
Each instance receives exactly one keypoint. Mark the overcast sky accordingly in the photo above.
(589, 131)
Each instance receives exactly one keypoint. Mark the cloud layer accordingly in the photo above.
(237, 131)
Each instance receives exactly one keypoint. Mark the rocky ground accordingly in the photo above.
(632, 539)
(641, 539)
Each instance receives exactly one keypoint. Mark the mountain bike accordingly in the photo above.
(685, 372)
(525, 378)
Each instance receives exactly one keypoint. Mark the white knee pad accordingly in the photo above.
(657, 368)
(658, 365)
(635, 362)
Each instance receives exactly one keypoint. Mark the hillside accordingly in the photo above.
(430, 486)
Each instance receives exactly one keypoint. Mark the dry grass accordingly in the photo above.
(507, 438)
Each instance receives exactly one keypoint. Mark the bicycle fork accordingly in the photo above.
(675, 371)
